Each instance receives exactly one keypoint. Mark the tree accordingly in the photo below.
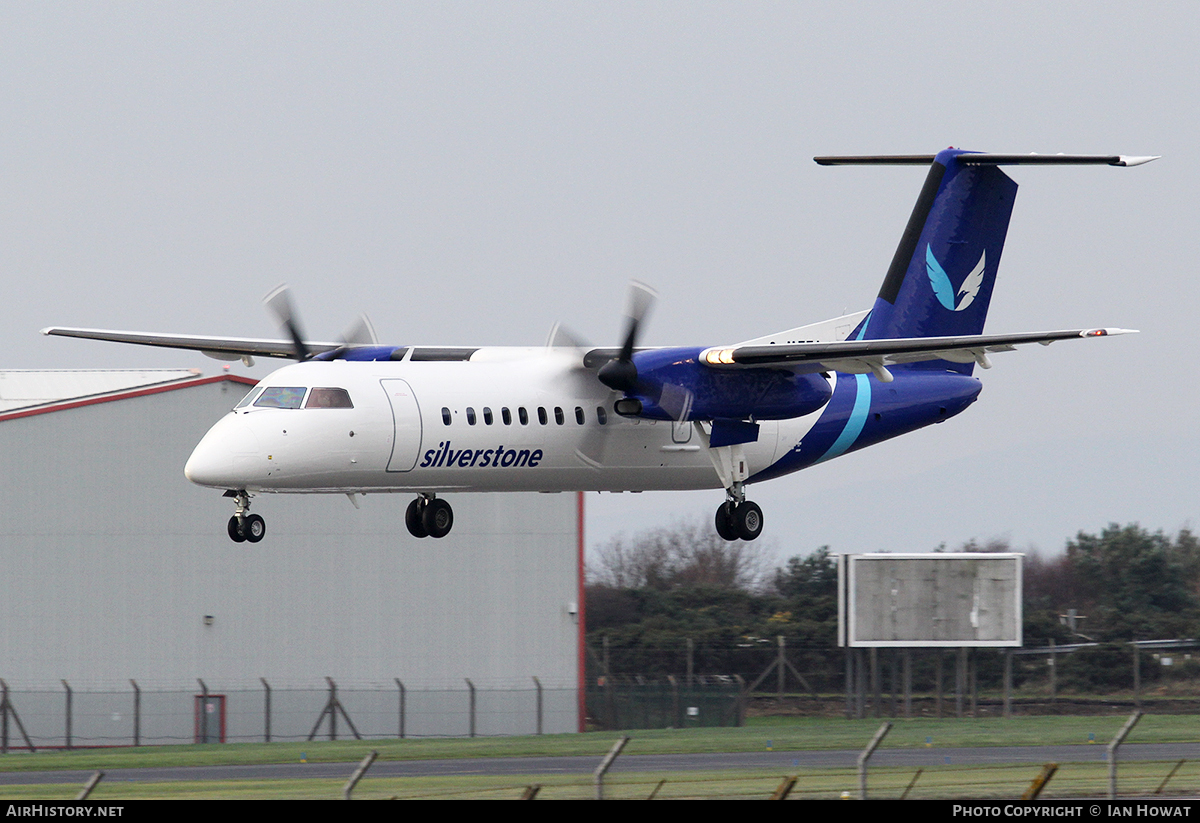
(686, 555)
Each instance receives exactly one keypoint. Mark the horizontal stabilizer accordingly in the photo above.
(873, 356)
(989, 159)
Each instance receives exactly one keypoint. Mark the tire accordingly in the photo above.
(438, 517)
(235, 530)
(255, 528)
(724, 522)
(748, 519)
(412, 519)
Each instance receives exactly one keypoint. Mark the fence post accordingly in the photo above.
(67, 686)
(471, 687)
(865, 755)
(538, 684)
(1137, 675)
(137, 713)
(333, 704)
(266, 709)
(1113, 745)
(741, 701)
(602, 769)
(1008, 655)
(401, 687)
(203, 729)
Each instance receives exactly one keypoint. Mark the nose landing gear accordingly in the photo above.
(244, 527)
(429, 516)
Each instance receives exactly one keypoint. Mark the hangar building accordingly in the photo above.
(116, 569)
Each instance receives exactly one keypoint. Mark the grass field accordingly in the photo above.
(780, 734)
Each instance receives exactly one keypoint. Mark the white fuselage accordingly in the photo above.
(540, 423)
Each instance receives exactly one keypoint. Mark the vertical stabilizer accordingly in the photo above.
(941, 278)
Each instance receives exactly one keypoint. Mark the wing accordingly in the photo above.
(863, 356)
(222, 348)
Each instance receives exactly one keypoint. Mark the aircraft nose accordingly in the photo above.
(213, 460)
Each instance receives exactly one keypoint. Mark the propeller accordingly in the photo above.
(621, 374)
(279, 303)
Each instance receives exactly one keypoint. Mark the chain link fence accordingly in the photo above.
(71, 718)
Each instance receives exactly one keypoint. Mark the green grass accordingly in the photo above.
(942, 782)
(759, 734)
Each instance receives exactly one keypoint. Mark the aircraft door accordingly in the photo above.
(681, 431)
(406, 414)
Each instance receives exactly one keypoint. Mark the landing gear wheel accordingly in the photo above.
(412, 518)
(748, 520)
(235, 530)
(725, 527)
(254, 528)
(437, 518)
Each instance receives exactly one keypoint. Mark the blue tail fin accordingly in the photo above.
(940, 281)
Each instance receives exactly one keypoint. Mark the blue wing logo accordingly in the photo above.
(944, 289)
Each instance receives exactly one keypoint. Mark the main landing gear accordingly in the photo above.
(429, 516)
(737, 517)
(244, 527)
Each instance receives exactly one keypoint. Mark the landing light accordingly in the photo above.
(719, 357)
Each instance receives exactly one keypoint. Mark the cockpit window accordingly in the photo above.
(249, 398)
(281, 397)
(329, 399)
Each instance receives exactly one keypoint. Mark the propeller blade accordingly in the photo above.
(279, 303)
(360, 333)
(621, 374)
(639, 301)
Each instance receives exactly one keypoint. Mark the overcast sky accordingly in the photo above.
(470, 173)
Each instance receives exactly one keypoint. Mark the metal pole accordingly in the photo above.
(203, 712)
(471, 687)
(358, 774)
(333, 702)
(137, 713)
(401, 687)
(876, 690)
(691, 661)
(602, 769)
(940, 686)
(538, 684)
(1053, 672)
(67, 686)
(266, 709)
(908, 682)
(960, 666)
(849, 682)
(1137, 675)
(3, 717)
(1115, 744)
(781, 674)
(1008, 682)
(865, 755)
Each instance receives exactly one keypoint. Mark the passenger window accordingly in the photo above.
(506, 416)
(579, 415)
(328, 399)
(542, 415)
(249, 398)
(601, 415)
(445, 415)
(523, 416)
(470, 416)
(487, 415)
(280, 397)
(558, 415)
